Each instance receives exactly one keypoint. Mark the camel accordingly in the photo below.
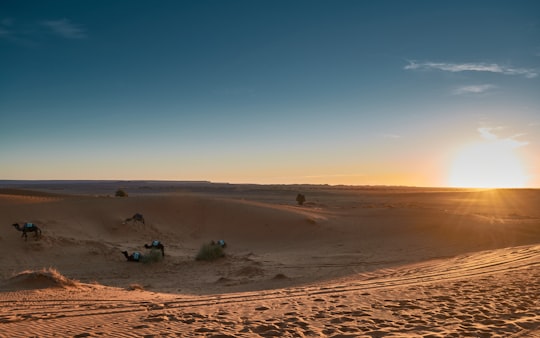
(220, 242)
(134, 257)
(136, 218)
(28, 227)
(156, 245)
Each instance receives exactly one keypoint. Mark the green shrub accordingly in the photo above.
(152, 256)
(121, 193)
(300, 198)
(210, 252)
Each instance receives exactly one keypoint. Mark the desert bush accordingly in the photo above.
(300, 198)
(135, 286)
(121, 193)
(210, 252)
(152, 256)
(46, 277)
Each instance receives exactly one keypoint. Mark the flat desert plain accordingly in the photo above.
(350, 262)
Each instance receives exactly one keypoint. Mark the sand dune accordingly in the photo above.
(487, 294)
(42, 279)
(351, 262)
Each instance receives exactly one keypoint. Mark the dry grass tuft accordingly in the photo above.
(210, 252)
(46, 277)
(152, 256)
(135, 286)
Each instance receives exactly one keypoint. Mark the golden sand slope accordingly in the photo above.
(487, 294)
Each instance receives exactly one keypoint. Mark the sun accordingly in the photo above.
(488, 165)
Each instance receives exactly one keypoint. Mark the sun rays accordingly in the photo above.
(492, 163)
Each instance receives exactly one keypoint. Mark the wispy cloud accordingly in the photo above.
(314, 179)
(332, 175)
(4, 32)
(489, 134)
(390, 136)
(7, 22)
(472, 67)
(65, 28)
(474, 89)
(233, 91)
(33, 33)
(9, 32)
(5, 27)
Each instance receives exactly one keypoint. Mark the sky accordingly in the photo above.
(415, 93)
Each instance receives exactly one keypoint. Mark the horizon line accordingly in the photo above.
(15, 181)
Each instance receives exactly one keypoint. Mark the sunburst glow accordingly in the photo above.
(488, 165)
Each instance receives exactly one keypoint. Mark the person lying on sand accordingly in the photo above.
(156, 245)
(134, 257)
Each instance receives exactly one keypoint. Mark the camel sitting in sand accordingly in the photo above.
(134, 257)
(136, 218)
(28, 227)
(156, 245)
(220, 243)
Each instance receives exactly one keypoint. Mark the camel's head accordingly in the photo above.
(15, 224)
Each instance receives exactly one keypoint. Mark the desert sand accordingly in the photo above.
(350, 262)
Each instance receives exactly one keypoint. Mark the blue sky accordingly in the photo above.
(338, 92)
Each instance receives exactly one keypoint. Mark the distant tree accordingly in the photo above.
(121, 193)
(300, 198)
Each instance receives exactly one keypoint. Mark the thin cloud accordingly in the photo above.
(296, 178)
(10, 32)
(332, 175)
(4, 33)
(65, 28)
(488, 134)
(390, 136)
(474, 89)
(30, 34)
(5, 27)
(233, 91)
(471, 67)
(7, 22)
